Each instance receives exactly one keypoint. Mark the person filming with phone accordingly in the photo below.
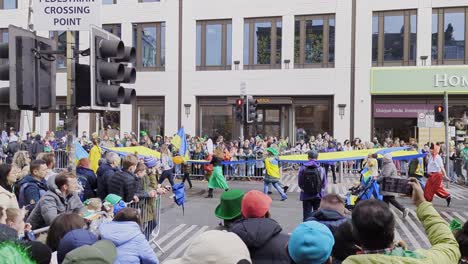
(374, 229)
(391, 183)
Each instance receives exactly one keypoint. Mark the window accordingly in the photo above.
(394, 35)
(109, 2)
(216, 120)
(449, 35)
(214, 45)
(3, 39)
(115, 29)
(262, 43)
(148, 115)
(8, 4)
(149, 39)
(60, 37)
(314, 41)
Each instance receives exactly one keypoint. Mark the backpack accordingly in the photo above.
(311, 180)
(179, 194)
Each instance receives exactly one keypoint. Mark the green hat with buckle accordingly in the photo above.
(230, 206)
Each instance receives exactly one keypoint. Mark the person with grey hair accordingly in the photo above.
(389, 170)
(105, 171)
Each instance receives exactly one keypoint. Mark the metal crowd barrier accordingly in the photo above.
(61, 159)
(150, 215)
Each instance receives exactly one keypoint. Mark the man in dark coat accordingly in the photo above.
(330, 213)
(260, 233)
(37, 147)
(124, 183)
(106, 171)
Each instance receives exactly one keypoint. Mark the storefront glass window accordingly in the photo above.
(216, 121)
(312, 119)
(454, 34)
(152, 119)
(393, 37)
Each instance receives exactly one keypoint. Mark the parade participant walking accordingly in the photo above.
(217, 180)
(273, 173)
(166, 165)
(313, 183)
(95, 155)
(436, 171)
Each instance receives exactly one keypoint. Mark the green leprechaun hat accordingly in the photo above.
(230, 206)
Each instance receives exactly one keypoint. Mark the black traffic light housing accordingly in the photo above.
(240, 109)
(251, 109)
(110, 66)
(29, 69)
(439, 113)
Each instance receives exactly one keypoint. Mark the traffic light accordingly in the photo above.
(29, 69)
(109, 61)
(239, 109)
(251, 109)
(439, 113)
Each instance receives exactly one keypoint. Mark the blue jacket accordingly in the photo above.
(132, 246)
(307, 196)
(32, 192)
(88, 181)
(331, 218)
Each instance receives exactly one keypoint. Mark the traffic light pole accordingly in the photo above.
(72, 114)
(447, 136)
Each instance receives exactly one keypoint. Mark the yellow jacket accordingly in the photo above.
(94, 156)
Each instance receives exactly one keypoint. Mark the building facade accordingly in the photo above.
(313, 66)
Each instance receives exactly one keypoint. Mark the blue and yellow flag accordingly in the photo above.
(80, 152)
(180, 142)
(366, 175)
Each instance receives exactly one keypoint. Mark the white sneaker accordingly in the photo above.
(405, 213)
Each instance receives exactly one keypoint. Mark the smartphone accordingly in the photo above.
(396, 185)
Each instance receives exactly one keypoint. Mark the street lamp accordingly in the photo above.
(286, 63)
(187, 109)
(236, 65)
(423, 59)
(341, 108)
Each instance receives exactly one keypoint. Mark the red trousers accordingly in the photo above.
(434, 186)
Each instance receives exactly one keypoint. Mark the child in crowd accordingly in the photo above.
(250, 157)
(241, 167)
(15, 220)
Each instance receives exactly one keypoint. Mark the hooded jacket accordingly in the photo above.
(51, 205)
(264, 240)
(7, 199)
(33, 191)
(104, 172)
(307, 196)
(88, 181)
(444, 246)
(132, 246)
(37, 147)
(331, 218)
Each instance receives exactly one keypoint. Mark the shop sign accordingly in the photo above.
(402, 110)
(263, 100)
(419, 80)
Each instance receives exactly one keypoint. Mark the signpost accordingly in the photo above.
(66, 15)
(243, 93)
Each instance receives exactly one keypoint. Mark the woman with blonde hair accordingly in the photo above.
(21, 160)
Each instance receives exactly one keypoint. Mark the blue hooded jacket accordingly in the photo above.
(132, 246)
(307, 196)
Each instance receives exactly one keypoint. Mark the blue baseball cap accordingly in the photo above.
(310, 242)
